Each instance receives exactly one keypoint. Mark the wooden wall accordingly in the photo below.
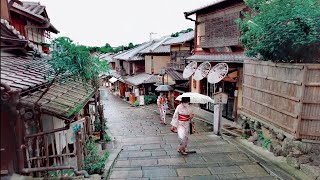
(286, 96)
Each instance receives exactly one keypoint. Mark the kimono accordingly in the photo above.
(181, 117)
(162, 105)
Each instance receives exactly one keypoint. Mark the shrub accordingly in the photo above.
(97, 125)
(150, 98)
(282, 30)
(93, 162)
(107, 137)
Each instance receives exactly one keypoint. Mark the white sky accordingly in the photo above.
(118, 22)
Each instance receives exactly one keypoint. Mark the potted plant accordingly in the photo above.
(104, 143)
(93, 162)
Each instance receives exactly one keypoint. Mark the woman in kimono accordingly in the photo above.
(162, 105)
(181, 117)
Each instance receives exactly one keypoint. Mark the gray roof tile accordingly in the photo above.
(206, 6)
(142, 78)
(133, 54)
(156, 46)
(175, 75)
(182, 38)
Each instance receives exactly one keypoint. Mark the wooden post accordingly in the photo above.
(79, 150)
(301, 97)
(100, 110)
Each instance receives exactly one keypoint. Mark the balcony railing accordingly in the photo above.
(177, 65)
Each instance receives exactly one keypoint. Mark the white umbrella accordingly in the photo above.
(196, 98)
(164, 88)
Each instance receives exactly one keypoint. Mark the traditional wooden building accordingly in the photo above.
(45, 138)
(130, 65)
(109, 58)
(32, 21)
(156, 56)
(181, 47)
(217, 40)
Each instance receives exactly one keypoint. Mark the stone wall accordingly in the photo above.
(301, 155)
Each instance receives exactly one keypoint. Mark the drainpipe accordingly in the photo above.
(186, 16)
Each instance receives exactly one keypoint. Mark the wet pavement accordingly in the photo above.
(148, 149)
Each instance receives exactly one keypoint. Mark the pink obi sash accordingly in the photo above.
(182, 117)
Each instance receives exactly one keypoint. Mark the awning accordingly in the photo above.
(113, 79)
(142, 78)
(62, 99)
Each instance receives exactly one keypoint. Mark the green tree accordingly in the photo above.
(69, 60)
(282, 30)
(107, 45)
(130, 45)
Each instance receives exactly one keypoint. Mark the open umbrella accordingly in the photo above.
(196, 98)
(164, 88)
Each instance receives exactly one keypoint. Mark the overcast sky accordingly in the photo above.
(118, 22)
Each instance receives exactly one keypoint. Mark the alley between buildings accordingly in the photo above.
(149, 149)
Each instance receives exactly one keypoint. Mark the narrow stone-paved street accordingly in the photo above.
(149, 149)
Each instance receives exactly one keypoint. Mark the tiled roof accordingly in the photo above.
(183, 85)
(237, 58)
(142, 78)
(63, 99)
(175, 75)
(162, 49)
(203, 7)
(182, 38)
(35, 9)
(133, 54)
(32, 8)
(5, 24)
(156, 46)
(115, 74)
(108, 57)
(20, 73)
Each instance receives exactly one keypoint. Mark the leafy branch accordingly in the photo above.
(71, 61)
(281, 30)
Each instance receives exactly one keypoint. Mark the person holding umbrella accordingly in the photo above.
(162, 103)
(181, 117)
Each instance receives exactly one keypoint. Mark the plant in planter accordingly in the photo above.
(107, 138)
(150, 98)
(93, 162)
(136, 103)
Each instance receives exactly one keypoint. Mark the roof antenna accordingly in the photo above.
(150, 35)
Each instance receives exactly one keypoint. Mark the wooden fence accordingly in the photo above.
(50, 151)
(285, 96)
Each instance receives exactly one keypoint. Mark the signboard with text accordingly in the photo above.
(220, 98)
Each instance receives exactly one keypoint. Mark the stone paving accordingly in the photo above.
(149, 149)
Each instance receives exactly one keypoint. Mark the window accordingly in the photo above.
(227, 87)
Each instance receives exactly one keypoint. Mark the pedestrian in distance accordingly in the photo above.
(162, 103)
(180, 120)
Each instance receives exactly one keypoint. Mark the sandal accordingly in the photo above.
(182, 152)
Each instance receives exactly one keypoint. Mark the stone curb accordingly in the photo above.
(111, 161)
(271, 168)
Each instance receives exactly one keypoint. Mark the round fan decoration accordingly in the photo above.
(202, 71)
(189, 69)
(217, 73)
